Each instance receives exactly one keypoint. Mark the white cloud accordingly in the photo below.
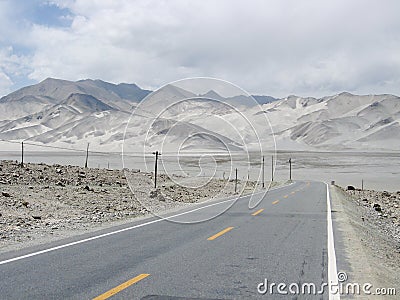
(5, 83)
(273, 47)
(10, 63)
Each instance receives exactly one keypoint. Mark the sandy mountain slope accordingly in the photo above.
(71, 114)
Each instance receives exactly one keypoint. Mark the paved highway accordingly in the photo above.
(284, 239)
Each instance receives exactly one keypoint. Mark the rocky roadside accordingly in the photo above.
(368, 230)
(40, 203)
(381, 209)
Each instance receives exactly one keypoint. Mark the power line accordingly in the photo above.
(69, 149)
(126, 153)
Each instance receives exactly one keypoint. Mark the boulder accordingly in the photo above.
(377, 207)
(89, 188)
(5, 194)
(153, 193)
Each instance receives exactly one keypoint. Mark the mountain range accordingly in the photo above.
(70, 114)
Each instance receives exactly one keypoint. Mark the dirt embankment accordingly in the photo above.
(380, 209)
(368, 224)
(40, 202)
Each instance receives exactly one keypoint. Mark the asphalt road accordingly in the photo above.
(282, 240)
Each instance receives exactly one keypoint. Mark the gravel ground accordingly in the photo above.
(41, 203)
(380, 209)
(369, 231)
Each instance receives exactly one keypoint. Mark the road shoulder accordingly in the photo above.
(364, 252)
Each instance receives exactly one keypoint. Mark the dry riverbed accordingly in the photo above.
(40, 203)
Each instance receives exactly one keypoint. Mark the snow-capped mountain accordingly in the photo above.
(70, 114)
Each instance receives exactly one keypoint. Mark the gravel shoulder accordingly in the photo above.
(370, 237)
(41, 203)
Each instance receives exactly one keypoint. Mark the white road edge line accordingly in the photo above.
(114, 232)
(332, 268)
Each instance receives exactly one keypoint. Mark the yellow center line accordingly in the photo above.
(211, 238)
(257, 212)
(121, 287)
(275, 202)
(285, 196)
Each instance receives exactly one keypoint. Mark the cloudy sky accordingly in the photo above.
(278, 48)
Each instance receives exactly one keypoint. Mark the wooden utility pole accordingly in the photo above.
(87, 156)
(22, 154)
(263, 179)
(272, 168)
(155, 168)
(236, 180)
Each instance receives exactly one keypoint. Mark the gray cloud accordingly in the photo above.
(272, 47)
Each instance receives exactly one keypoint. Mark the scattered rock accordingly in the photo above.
(153, 194)
(62, 201)
(351, 188)
(89, 188)
(5, 194)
